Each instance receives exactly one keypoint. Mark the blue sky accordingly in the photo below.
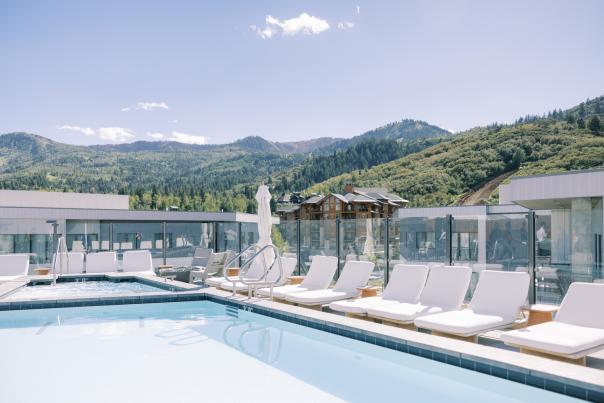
(89, 72)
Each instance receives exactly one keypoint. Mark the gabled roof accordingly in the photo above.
(380, 194)
(340, 197)
(314, 199)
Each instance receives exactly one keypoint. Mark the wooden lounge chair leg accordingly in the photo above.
(579, 361)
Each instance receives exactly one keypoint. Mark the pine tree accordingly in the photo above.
(594, 124)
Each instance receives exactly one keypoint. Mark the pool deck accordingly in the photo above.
(574, 380)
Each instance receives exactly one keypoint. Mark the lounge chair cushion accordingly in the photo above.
(446, 287)
(355, 274)
(465, 322)
(13, 266)
(101, 262)
(321, 272)
(500, 293)
(403, 312)
(579, 303)
(282, 291)
(320, 297)
(360, 306)
(138, 261)
(406, 283)
(556, 337)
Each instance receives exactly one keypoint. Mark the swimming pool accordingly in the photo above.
(204, 351)
(77, 289)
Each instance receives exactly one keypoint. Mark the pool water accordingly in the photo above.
(204, 352)
(81, 289)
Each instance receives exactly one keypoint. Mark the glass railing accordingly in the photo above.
(491, 242)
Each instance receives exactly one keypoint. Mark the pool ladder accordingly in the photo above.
(63, 257)
(262, 281)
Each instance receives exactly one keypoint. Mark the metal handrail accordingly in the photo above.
(249, 282)
(235, 258)
(61, 249)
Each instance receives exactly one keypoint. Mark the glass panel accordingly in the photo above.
(228, 237)
(494, 242)
(568, 243)
(33, 237)
(318, 238)
(249, 234)
(84, 236)
(364, 239)
(141, 235)
(285, 237)
(418, 240)
(184, 238)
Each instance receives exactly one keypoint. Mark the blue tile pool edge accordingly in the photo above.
(569, 387)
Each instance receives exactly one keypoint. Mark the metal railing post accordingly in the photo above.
(449, 239)
(298, 246)
(240, 241)
(110, 236)
(215, 237)
(338, 243)
(163, 244)
(532, 263)
(387, 252)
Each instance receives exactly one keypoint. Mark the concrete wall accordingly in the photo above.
(18, 198)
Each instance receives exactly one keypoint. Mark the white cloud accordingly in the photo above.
(345, 25)
(87, 131)
(146, 106)
(115, 134)
(155, 136)
(187, 138)
(358, 9)
(174, 121)
(303, 24)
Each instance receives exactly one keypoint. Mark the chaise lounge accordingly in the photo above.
(319, 276)
(405, 285)
(575, 332)
(497, 301)
(444, 291)
(13, 266)
(354, 276)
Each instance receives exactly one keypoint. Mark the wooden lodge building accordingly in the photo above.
(355, 203)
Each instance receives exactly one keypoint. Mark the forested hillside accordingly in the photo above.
(442, 174)
(421, 162)
(157, 175)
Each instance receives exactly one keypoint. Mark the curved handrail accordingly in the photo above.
(259, 252)
(233, 259)
(61, 249)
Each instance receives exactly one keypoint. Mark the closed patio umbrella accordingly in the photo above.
(263, 197)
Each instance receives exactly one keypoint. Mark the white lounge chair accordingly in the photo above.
(577, 330)
(354, 276)
(405, 285)
(288, 265)
(319, 276)
(13, 266)
(256, 270)
(444, 291)
(496, 303)
(213, 267)
(138, 262)
(101, 262)
(75, 266)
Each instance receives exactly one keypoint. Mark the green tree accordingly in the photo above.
(580, 123)
(594, 124)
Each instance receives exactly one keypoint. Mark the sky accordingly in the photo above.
(96, 72)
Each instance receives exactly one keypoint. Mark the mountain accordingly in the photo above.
(406, 130)
(448, 172)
